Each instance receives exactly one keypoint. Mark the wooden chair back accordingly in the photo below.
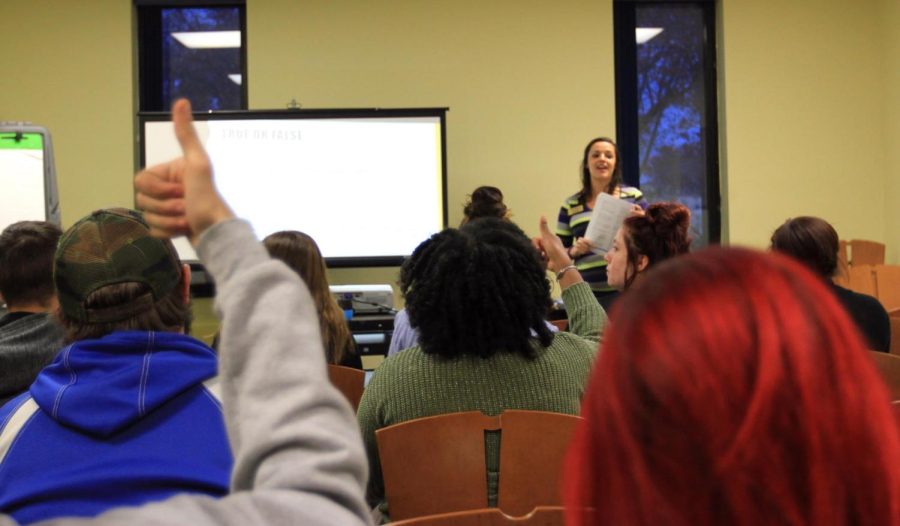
(887, 285)
(889, 367)
(862, 279)
(348, 381)
(532, 447)
(863, 252)
(540, 516)
(437, 464)
(434, 464)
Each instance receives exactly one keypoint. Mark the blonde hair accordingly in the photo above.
(302, 255)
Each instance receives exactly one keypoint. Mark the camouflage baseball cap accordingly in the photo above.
(112, 246)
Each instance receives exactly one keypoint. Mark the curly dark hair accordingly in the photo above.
(477, 290)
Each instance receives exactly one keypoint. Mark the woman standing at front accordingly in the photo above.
(600, 173)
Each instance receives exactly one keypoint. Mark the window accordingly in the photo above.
(666, 106)
(193, 51)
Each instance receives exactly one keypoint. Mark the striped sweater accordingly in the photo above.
(573, 222)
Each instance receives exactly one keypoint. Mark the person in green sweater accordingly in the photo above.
(478, 296)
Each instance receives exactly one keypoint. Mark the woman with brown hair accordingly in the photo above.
(814, 242)
(302, 255)
(600, 173)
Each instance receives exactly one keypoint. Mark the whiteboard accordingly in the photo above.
(27, 175)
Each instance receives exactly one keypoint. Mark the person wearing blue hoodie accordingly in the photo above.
(127, 413)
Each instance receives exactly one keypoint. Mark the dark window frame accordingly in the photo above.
(625, 47)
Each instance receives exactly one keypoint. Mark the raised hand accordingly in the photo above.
(179, 197)
(551, 248)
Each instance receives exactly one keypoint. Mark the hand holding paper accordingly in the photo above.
(609, 212)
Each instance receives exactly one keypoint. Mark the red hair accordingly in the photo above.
(733, 389)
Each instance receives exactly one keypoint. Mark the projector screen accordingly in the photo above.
(367, 185)
(27, 175)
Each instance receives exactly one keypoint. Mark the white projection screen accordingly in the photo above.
(27, 175)
(367, 185)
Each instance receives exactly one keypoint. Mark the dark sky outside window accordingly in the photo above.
(201, 75)
(671, 99)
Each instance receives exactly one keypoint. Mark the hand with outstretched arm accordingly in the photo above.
(179, 197)
(556, 256)
(298, 454)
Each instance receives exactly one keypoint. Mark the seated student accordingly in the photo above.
(122, 415)
(29, 334)
(814, 242)
(298, 454)
(734, 389)
(485, 201)
(478, 296)
(302, 255)
(645, 239)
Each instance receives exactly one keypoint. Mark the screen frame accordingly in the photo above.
(321, 113)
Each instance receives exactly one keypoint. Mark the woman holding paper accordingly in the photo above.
(600, 174)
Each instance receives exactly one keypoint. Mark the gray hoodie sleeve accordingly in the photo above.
(298, 453)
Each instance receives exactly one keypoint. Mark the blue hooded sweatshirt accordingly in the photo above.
(121, 420)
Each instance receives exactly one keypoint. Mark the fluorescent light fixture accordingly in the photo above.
(209, 39)
(644, 34)
(236, 78)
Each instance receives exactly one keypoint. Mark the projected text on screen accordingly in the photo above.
(361, 187)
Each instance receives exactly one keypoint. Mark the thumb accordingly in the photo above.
(545, 229)
(184, 129)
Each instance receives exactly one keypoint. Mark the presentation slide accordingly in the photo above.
(361, 187)
(22, 171)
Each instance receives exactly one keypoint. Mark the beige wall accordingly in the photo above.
(889, 15)
(804, 116)
(810, 96)
(67, 66)
(527, 84)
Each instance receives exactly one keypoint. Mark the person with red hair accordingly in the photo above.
(733, 388)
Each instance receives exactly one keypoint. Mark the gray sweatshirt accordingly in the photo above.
(298, 453)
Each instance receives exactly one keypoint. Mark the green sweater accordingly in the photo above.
(413, 384)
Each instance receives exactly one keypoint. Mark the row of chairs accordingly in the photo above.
(435, 472)
(880, 281)
(437, 464)
(860, 252)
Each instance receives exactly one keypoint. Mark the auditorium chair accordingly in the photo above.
(348, 381)
(436, 464)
